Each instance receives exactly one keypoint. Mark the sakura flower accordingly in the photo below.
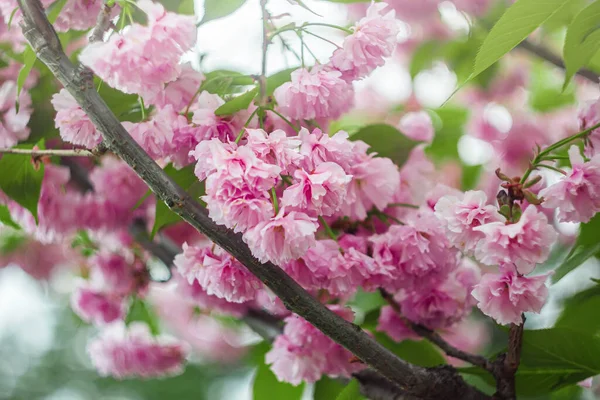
(321, 192)
(116, 183)
(314, 94)
(524, 243)
(374, 39)
(303, 353)
(391, 324)
(180, 92)
(7, 7)
(97, 307)
(505, 296)
(417, 126)
(73, 123)
(461, 214)
(275, 148)
(80, 15)
(116, 275)
(317, 147)
(155, 136)
(577, 194)
(224, 128)
(128, 352)
(13, 124)
(589, 115)
(217, 272)
(285, 237)
(143, 58)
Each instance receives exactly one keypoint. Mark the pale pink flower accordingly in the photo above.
(116, 275)
(225, 128)
(180, 92)
(417, 126)
(589, 115)
(321, 192)
(127, 352)
(415, 253)
(474, 7)
(73, 123)
(116, 183)
(439, 191)
(392, 325)
(524, 243)
(217, 272)
(576, 195)
(97, 307)
(283, 238)
(303, 353)
(143, 58)
(80, 15)
(312, 270)
(210, 155)
(156, 136)
(374, 182)
(314, 94)
(373, 40)
(317, 147)
(8, 6)
(275, 148)
(40, 260)
(13, 124)
(469, 335)
(505, 296)
(418, 176)
(461, 214)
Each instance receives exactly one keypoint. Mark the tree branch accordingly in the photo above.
(102, 24)
(435, 338)
(421, 382)
(552, 58)
(50, 152)
(506, 365)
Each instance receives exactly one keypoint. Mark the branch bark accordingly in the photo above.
(50, 152)
(418, 381)
(102, 23)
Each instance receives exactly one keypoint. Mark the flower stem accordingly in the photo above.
(327, 228)
(274, 199)
(241, 134)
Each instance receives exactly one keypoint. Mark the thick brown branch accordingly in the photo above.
(506, 366)
(78, 81)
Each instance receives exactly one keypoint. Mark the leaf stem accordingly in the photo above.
(274, 199)
(241, 134)
(327, 228)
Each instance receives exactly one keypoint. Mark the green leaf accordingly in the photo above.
(327, 388)
(215, 9)
(449, 125)
(582, 40)
(278, 79)
(142, 312)
(29, 58)
(241, 102)
(55, 10)
(186, 7)
(11, 240)
(224, 82)
(552, 359)
(586, 246)
(470, 176)
(367, 301)
(545, 92)
(581, 311)
(386, 141)
(6, 219)
(347, 1)
(163, 215)
(421, 352)
(351, 392)
(519, 20)
(424, 56)
(21, 180)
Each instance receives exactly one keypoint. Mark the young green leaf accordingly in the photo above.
(5, 217)
(421, 352)
(386, 141)
(581, 311)
(327, 388)
(29, 58)
(215, 9)
(519, 20)
(586, 246)
(223, 82)
(238, 103)
(140, 311)
(266, 386)
(278, 79)
(582, 40)
(21, 180)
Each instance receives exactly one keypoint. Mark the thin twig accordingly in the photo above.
(50, 152)
(419, 381)
(435, 338)
(552, 58)
(262, 79)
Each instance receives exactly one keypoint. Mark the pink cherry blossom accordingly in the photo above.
(210, 126)
(180, 92)
(127, 352)
(303, 353)
(116, 275)
(283, 238)
(414, 253)
(275, 148)
(321, 192)
(8, 6)
(73, 123)
(418, 175)
(317, 147)
(460, 215)
(577, 194)
(417, 126)
(217, 272)
(589, 115)
(374, 39)
(80, 15)
(505, 296)
(13, 124)
(143, 58)
(97, 307)
(524, 243)
(155, 136)
(314, 94)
